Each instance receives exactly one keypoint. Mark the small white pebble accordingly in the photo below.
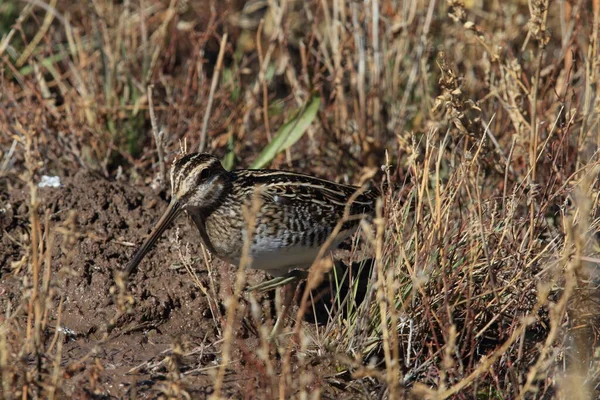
(49, 181)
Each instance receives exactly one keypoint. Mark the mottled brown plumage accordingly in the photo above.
(297, 215)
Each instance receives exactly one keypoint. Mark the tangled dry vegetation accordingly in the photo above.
(479, 119)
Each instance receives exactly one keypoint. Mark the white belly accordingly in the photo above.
(269, 255)
(283, 261)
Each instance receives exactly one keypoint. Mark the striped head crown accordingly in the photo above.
(197, 180)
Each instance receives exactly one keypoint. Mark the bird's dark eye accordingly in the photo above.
(204, 175)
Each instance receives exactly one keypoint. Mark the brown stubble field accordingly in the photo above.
(479, 120)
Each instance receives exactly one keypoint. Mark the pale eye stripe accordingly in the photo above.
(191, 165)
(182, 170)
(197, 169)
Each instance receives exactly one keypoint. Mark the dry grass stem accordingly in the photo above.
(477, 277)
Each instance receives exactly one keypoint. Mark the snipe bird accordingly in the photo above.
(297, 214)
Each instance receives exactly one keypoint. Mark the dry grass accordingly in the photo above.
(480, 120)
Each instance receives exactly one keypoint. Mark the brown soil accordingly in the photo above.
(169, 311)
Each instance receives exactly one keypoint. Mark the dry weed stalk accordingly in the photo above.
(481, 287)
(250, 214)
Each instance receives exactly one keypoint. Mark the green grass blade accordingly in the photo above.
(229, 158)
(289, 133)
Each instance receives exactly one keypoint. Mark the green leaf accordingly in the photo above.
(46, 62)
(229, 158)
(289, 133)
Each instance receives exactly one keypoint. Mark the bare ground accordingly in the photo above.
(169, 311)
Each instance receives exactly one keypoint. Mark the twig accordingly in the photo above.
(250, 214)
(39, 35)
(158, 138)
(264, 82)
(213, 87)
(6, 40)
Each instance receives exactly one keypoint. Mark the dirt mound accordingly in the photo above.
(101, 224)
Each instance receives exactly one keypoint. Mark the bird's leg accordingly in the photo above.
(274, 283)
(289, 283)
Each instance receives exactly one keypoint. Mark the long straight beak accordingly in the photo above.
(172, 211)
